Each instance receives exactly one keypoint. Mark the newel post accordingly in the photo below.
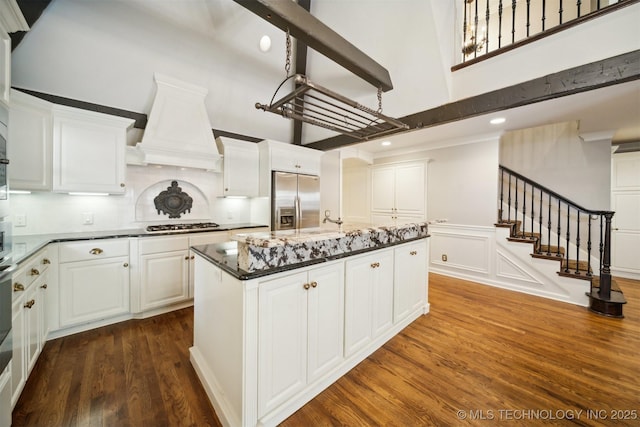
(605, 274)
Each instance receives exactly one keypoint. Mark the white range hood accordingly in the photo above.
(178, 131)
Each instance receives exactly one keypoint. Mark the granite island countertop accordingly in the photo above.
(252, 255)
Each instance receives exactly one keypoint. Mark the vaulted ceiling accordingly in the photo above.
(107, 53)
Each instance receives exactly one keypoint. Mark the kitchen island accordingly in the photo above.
(280, 316)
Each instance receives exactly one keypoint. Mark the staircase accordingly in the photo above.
(556, 228)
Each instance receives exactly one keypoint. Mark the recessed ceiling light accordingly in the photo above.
(265, 44)
(497, 120)
(386, 143)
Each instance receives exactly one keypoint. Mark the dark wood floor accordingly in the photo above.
(483, 355)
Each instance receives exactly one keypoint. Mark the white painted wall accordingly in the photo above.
(330, 185)
(57, 213)
(558, 158)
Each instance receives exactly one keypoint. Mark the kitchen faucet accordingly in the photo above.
(326, 218)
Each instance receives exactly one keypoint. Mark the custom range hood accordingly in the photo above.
(178, 131)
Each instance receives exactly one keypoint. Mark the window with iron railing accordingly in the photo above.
(491, 26)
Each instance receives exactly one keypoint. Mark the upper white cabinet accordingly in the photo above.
(88, 151)
(30, 143)
(398, 192)
(64, 149)
(278, 156)
(241, 167)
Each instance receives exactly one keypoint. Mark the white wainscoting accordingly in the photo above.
(484, 255)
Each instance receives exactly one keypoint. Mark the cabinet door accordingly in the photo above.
(241, 169)
(410, 292)
(43, 313)
(164, 278)
(382, 292)
(358, 304)
(410, 188)
(325, 319)
(30, 146)
(383, 189)
(18, 367)
(31, 323)
(282, 344)
(5, 397)
(88, 155)
(92, 290)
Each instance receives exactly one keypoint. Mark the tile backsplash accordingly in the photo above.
(46, 212)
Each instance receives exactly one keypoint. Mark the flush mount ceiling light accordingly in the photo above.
(319, 106)
(386, 143)
(497, 121)
(265, 44)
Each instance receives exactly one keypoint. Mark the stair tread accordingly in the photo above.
(550, 249)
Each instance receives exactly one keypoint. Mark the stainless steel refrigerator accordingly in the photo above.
(295, 201)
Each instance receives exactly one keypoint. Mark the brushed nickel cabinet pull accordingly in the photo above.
(96, 251)
(18, 287)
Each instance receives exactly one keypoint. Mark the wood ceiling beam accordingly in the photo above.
(615, 70)
(301, 68)
(286, 14)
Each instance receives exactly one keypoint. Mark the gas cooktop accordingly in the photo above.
(198, 226)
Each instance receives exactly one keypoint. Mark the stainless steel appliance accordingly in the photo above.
(295, 201)
(6, 268)
(196, 226)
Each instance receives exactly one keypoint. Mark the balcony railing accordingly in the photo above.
(490, 27)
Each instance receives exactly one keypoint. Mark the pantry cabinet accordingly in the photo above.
(301, 316)
(398, 193)
(368, 298)
(65, 149)
(93, 280)
(29, 328)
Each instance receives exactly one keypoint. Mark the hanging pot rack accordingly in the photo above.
(317, 105)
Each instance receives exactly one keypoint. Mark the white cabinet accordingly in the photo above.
(300, 321)
(278, 156)
(398, 193)
(164, 269)
(241, 167)
(410, 270)
(5, 397)
(93, 280)
(65, 149)
(30, 147)
(368, 298)
(29, 328)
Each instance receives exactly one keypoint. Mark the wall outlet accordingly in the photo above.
(20, 220)
(444, 257)
(87, 218)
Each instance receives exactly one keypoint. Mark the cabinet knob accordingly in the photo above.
(96, 251)
(413, 253)
(122, 184)
(46, 261)
(226, 189)
(18, 287)
(34, 272)
(314, 284)
(29, 303)
(375, 265)
(126, 264)
(45, 286)
(192, 257)
(306, 286)
(186, 257)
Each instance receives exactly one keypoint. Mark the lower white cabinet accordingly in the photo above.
(410, 270)
(368, 298)
(301, 338)
(5, 397)
(93, 280)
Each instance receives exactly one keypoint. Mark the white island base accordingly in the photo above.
(265, 346)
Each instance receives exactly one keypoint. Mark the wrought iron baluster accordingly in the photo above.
(516, 205)
(598, 6)
(559, 230)
(499, 24)
(524, 209)
(589, 248)
(475, 30)
(578, 243)
(544, 12)
(566, 250)
(532, 209)
(509, 201)
(513, 21)
(501, 196)
(528, 16)
(540, 222)
(560, 12)
(486, 34)
(549, 228)
(464, 30)
(578, 4)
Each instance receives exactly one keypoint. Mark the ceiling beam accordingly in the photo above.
(286, 14)
(615, 70)
(301, 68)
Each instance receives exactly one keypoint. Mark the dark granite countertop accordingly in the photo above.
(25, 246)
(225, 256)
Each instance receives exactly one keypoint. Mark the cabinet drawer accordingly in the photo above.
(154, 245)
(93, 249)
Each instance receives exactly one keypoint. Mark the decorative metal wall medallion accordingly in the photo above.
(173, 201)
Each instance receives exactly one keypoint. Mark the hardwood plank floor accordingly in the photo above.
(483, 355)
